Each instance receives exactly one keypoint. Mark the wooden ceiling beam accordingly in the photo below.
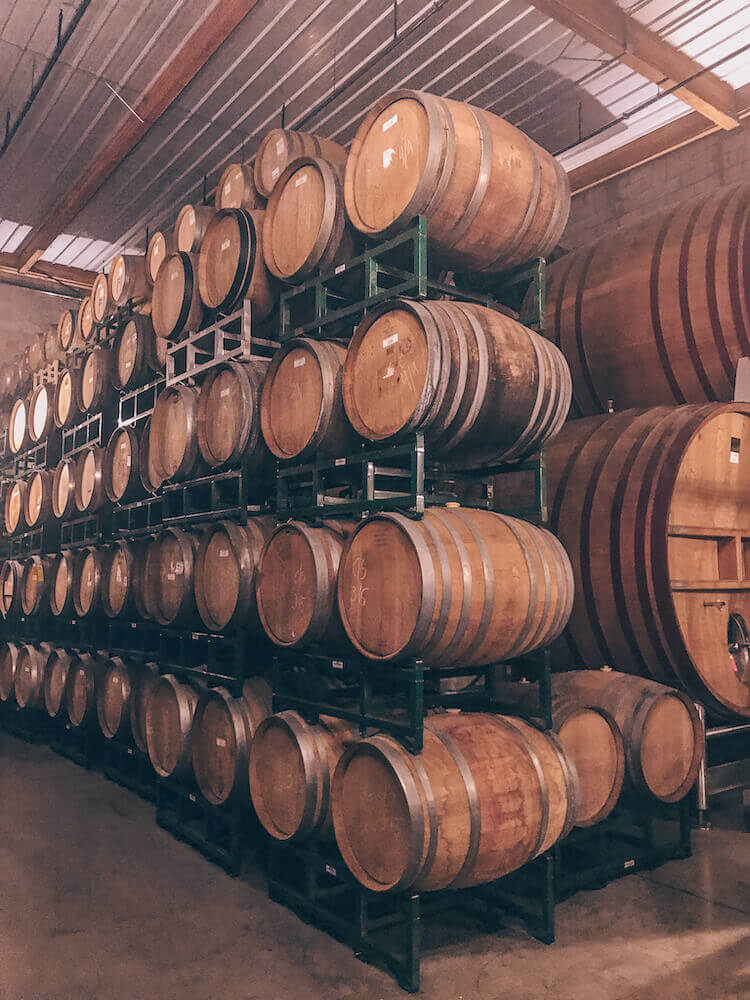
(605, 24)
(46, 277)
(218, 23)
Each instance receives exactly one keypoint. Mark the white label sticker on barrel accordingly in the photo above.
(390, 123)
(340, 268)
(388, 155)
(227, 186)
(275, 173)
(224, 392)
(225, 245)
(127, 461)
(223, 553)
(279, 146)
(220, 741)
(302, 179)
(170, 576)
(337, 664)
(734, 451)
(390, 370)
(388, 341)
(330, 870)
(178, 568)
(340, 461)
(175, 274)
(298, 362)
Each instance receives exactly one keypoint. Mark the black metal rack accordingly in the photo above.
(138, 404)
(39, 457)
(45, 538)
(82, 745)
(130, 767)
(86, 530)
(137, 519)
(230, 495)
(92, 430)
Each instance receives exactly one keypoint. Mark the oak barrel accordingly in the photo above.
(170, 570)
(144, 595)
(84, 322)
(658, 312)
(10, 589)
(128, 280)
(121, 469)
(492, 197)
(96, 379)
(87, 581)
(64, 489)
(661, 729)
(301, 406)
(89, 480)
(35, 584)
(159, 248)
(84, 676)
(149, 472)
(291, 768)
(169, 722)
(653, 507)
(118, 579)
(9, 652)
(62, 576)
(37, 501)
(231, 265)
(176, 305)
(41, 412)
(15, 503)
(144, 678)
(191, 227)
(102, 303)
(459, 587)
(485, 795)
(133, 352)
(280, 146)
(236, 189)
(113, 699)
(28, 683)
(173, 433)
(67, 395)
(480, 386)
(66, 331)
(229, 430)
(55, 679)
(18, 428)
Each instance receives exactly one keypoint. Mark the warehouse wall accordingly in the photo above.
(689, 172)
(23, 313)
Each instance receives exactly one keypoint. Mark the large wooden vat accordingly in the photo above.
(176, 306)
(480, 386)
(653, 507)
(658, 312)
(492, 197)
(280, 146)
(231, 266)
(486, 795)
(228, 415)
(169, 723)
(459, 587)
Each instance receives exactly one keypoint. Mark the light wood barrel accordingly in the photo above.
(173, 434)
(15, 497)
(486, 795)
(159, 248)
(231, 265)
(658, 312)
(96, 379)
(176, 305)
(37, 501)
(84, 676)
(144, 678)
(460, 586)
(225, 574)
(661, 730)
(87, 581)
(481, 387)
(653, 507)
(89, 480)
(128, 280)
(113, 699)
(492, 197)
(296, 583)
(102, 303)
(305, 229)
(118, 579)
(121, 466)
(236, 189)
(55, 679)
(133, 352)
(35, 584)
(41, 412)
(191, 227)
(62, 577)
(229, 429)
(171, 570)
(223, 731)
(67, 395)
(18, 428)
(64, 489)
(280, 146)
(149, 471)
(84, 322)
(291, 768)
(301, 408)
(66, 331)
(10, 590)
(169, 722)
(28, 684)
(9, 652)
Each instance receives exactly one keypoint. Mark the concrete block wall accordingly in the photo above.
(718, 160)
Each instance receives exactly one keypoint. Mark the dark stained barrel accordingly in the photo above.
(228, 414)
(231, 265)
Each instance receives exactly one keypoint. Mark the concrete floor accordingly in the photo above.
(97, 902)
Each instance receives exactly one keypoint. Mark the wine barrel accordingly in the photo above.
(64, 489)
(291, 768)
(296, 582)
(157, 252)
(144, 572)
(191, 227)
(228, 416)
(170, 572)
(18, 428)
(35, 584)
(28, 684)
(89, 480)
(102, 303)
(41, 412)
(96, 379)
(84, 322)
(305, 229)
(128, 280)
(461, 586)
(10, 590)
(144, 679)
(118, 579)
(662, 732)
(231, 266)
(52, 350)
(113, 699)
(66, 331)
(280, 146)
(492, 197)
(653, 507)
(481, 387)
(485, 796)
(149, 472)
(176, 305)
(55, 679)
(36, 353)
(169, 723)
(301, 407)
(87, 581)
(121, 466)
(173, 434)
(658, 312)
(236, 189)
(223, 731)
(134, 352)
(67, 395)
(225, 574)
(37, 501)
(84, 676)
(9, 652)
(15, 502)
(62, 576)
